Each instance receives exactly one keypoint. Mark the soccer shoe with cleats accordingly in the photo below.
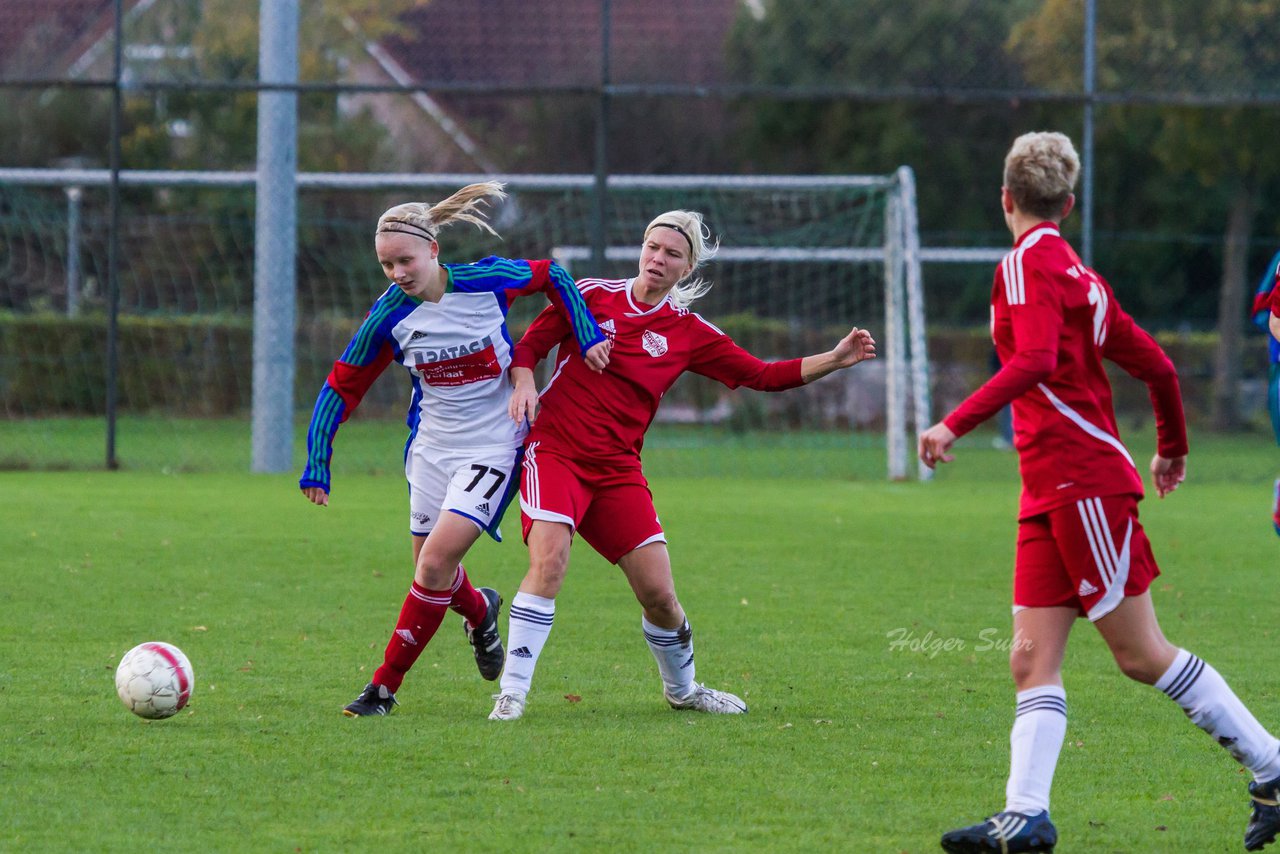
(507, 707)
(1265, 821)
(704, 699)
(373, 700)
(1006, 832)
(485, 641)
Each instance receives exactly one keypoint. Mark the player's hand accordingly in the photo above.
(934, 444)
(316, 495)
(857, 346)
(597, 357)
(1167, 473)
(524, 396)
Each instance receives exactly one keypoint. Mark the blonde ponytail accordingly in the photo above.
(425, 220)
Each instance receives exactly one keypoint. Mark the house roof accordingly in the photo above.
(558, 42)
(41, 39)
(506, 42)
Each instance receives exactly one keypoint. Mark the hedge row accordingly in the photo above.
(201, 366)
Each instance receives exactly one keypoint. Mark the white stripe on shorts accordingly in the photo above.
(531, 466)
(1113, 565)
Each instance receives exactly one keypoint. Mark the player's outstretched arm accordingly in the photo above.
(1167, 473)
(857, 346)
(934, 444)
(524, 395)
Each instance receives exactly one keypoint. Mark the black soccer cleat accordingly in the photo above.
(1006, 832)
(485, 641)
(373, 700)
(1265, 820)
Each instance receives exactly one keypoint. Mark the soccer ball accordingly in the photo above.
(154, 680)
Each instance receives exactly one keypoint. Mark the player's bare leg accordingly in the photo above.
(1040, 724)
(666, 630)
(438, 581)
(1133, 634)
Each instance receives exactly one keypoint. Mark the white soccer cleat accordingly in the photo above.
(508, 707)
(704, 699)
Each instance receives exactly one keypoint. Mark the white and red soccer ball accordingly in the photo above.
(154, 680)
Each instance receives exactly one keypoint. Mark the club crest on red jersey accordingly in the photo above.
(654, 344)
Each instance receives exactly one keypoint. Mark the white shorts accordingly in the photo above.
(476, 483)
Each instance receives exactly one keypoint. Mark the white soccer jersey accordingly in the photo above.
(457, 352)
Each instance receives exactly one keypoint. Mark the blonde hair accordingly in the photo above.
(697, 235)
(1040, 173)
(425, 220)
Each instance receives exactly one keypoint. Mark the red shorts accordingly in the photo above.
(1091, 554)
(610, 506)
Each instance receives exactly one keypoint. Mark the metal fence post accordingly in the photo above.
(276, 239)
(74, 195)
(1086, 189)
(113, 238)
(599, 227)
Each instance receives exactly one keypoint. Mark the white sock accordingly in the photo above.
(1039, 726)
(1211, 704)
(673, 650)
(528, 625)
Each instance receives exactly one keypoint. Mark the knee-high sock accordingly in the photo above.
(529, 624)
(1211, 704)
(673, 650)
(466, 600)
(1039, 726)
(420, 616)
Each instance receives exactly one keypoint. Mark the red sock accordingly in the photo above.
(468, 601)
(420, 616)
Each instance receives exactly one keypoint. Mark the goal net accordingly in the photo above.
(801, 260)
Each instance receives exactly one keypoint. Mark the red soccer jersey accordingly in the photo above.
(1053, 321)
(604, 416)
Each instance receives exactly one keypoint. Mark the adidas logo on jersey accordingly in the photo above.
(522, 652)
(483, 508)
(407, 636)
(608, 329)
(417, 333)
(1086, 589)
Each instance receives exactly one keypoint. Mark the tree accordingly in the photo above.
(904, 68)
(1217, 46)
(205, 41)
(223, 44)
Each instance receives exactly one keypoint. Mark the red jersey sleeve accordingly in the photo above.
(1132, 348)
(715, 355)
(548, 329)
(1037, 325)
(1017, 377)
(1275, 296)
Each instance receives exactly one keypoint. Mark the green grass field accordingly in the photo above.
(796, 588)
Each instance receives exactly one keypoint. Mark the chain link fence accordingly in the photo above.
(1172, 104)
